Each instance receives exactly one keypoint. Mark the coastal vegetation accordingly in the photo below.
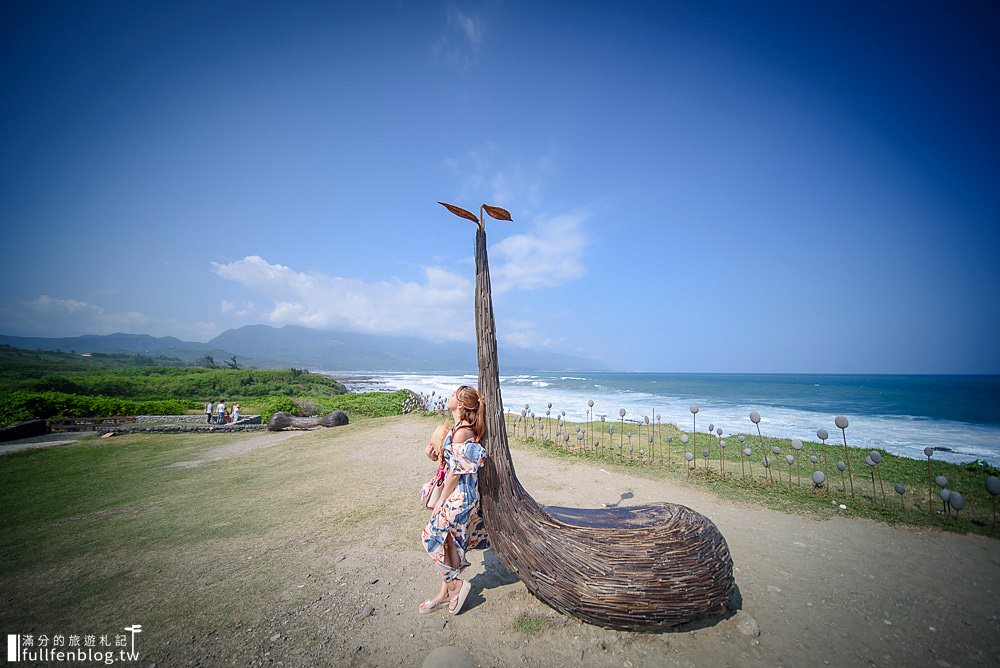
(362, 404)
(658, 451)
(39, 384)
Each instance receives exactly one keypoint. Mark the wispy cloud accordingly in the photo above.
(463, 38)
(505, 177)
(524, 334)
(551, 249)
(237, 310)
(54, 317)
(550, 254)
(470, 26)
(438, 307)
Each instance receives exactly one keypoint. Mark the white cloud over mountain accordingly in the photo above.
(392, 306)
(547, 255)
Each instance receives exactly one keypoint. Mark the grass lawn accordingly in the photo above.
(110, 529)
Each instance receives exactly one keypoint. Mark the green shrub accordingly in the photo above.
(364, 404)
(272, 405)
(140, 383)
(20, 406)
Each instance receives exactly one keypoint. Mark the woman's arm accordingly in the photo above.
(448, 487)
(433, 449)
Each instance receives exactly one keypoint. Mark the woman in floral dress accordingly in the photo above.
(455, 525)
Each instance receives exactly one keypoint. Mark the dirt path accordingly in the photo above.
(840, 592)
(46, 441)
(308, 555)
(241, 447)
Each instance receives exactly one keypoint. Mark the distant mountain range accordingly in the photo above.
(271, 347)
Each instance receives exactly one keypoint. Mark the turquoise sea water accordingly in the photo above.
(901, 414)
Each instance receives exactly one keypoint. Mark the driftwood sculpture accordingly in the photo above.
(282, 420)
(630, 568)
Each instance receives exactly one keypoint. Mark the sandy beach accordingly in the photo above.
(338, 582)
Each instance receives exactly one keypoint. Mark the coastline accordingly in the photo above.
(727, 403)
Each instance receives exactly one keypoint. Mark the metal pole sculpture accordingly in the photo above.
(797, 447)
(598, 447)
(818, 478)
(842, 423)
(871, 465)
(711, 434)
(876, 457)
(822, 435)
(993, 487)
(755, 418)
(590, 418)
(901, 490)
(621, 436)
(659, 436)
(584, 561)
(942, 483)
(694, 430)
(930, 487)
(648, 433)
(957, 502)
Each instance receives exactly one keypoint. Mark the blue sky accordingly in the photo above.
(761, 187)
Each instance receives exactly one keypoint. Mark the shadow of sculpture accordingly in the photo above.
(494, 575)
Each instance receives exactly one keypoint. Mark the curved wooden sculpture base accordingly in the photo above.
(282, 420)
(632, 568)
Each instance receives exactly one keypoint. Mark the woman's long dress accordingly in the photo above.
(459, 514)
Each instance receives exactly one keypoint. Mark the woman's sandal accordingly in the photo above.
(457, 602)
(430, 606)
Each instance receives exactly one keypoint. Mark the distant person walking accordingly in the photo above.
(208, 412)
(236, 412)
(220, 412)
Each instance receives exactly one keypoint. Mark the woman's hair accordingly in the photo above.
(471, 410)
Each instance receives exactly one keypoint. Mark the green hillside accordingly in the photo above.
(48, 384)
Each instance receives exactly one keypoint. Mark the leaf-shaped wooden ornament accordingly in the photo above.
(460, 212)
(497, 212)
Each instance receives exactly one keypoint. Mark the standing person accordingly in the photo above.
(220, 412)
(236, 412)
(455, 525)
(208, 412)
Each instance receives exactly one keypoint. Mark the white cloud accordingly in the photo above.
(54, 317)
(463, 39)
(524, 334)
(73, 317)
(549, 255)
(437, 308)
(503, 177)
(237, 310)
(468, 25)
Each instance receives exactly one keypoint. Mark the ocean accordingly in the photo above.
(899, 414)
